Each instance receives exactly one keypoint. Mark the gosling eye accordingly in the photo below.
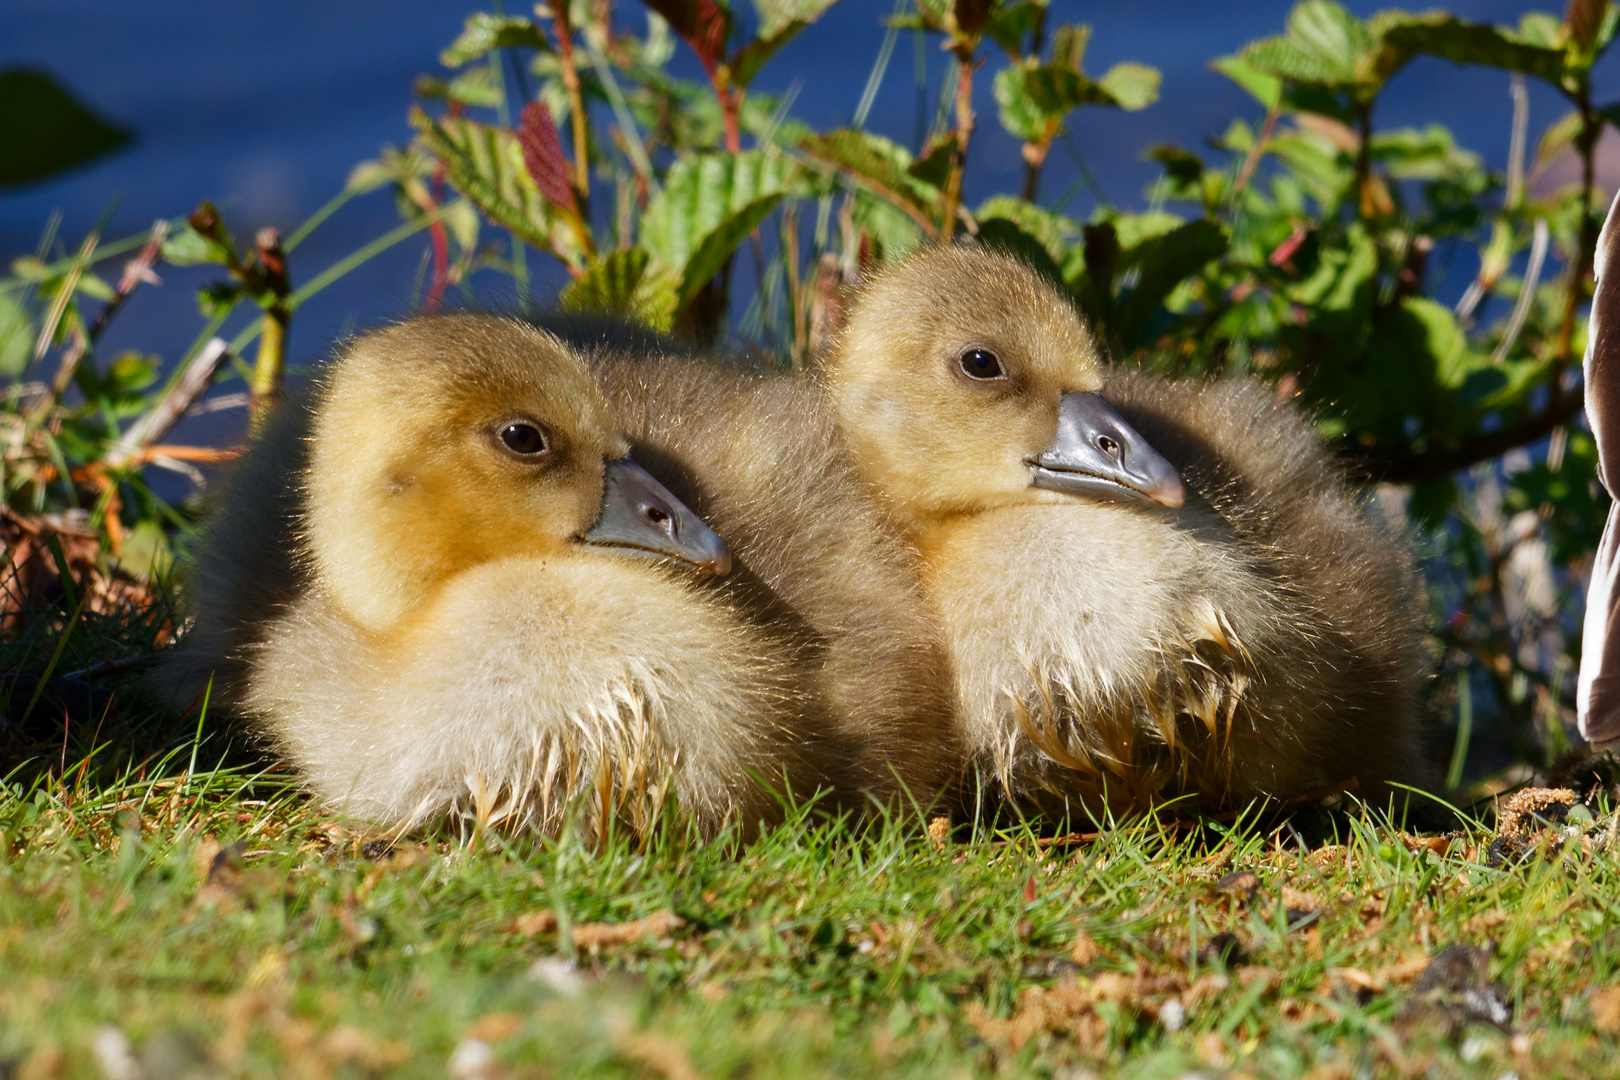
(981, 365)
(524, 439)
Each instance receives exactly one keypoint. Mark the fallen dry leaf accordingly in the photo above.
(1084, 949)
(533, 923)
(1605, 1006)
(655, 926)
(493, 1027)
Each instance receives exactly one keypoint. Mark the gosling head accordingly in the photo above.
(443, 443)
(966, 382)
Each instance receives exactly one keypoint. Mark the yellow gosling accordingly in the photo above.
(1148, 589)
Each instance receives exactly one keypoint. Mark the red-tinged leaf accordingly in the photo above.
(1285, 250)
(543, 155)
(1029, 890)
(701, 22)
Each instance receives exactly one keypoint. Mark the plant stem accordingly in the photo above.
(576, 105)
(266, 386)
(964, 133)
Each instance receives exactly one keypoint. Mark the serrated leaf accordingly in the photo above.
(1055, 233)
(1017, 111)
(1473, 43)
(718, 245)
(45, 131)
(1010, 24)
(543, 155)
(779, 16)
(627, 283)
(878, 165)
(486, 164)
(708, 204)
(1069, 46)
(485, 32)
(1132, 86)
(479, 88)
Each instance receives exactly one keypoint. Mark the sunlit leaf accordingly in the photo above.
(626, 283)
(17, 335)
(1263, 86)
(485, 32)
(877, 164)
(1132, 86)
(486, 164)
(709, 203)
(1473, 43)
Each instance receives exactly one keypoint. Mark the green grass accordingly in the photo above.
(223, 927)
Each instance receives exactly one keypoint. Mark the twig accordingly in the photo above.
(1252, 160)
(1441, 462)
(266, 385)
(576, 104)
(1516, 146)
(1527, 292)
(171, 407)
(964, 133)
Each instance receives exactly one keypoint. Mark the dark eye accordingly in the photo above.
(524, 439)
(980, 364)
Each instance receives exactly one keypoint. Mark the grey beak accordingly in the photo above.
(1098, 454)
(641, 517)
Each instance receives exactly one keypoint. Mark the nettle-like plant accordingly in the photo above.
(1306, 249)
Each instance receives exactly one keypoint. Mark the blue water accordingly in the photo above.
(266, 107)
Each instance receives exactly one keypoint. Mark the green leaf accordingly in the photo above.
(16, 337)
(1163, 264)
(486, 164)
(1263, 86)
(626, 283)
(485, 32)
(777, 17)
(1011, 23)
(392, 167)
(188, 247)
(44, 131)
(1322, 46)
(878, 165)
(1473, 43)
(1005, 236)
(1017, 110)
(934, 167)
(1132, 86)
(478, 88)
(1055, 233)
(708, 204)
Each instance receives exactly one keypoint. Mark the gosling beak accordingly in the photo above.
(639, 516)
(1098, 454)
